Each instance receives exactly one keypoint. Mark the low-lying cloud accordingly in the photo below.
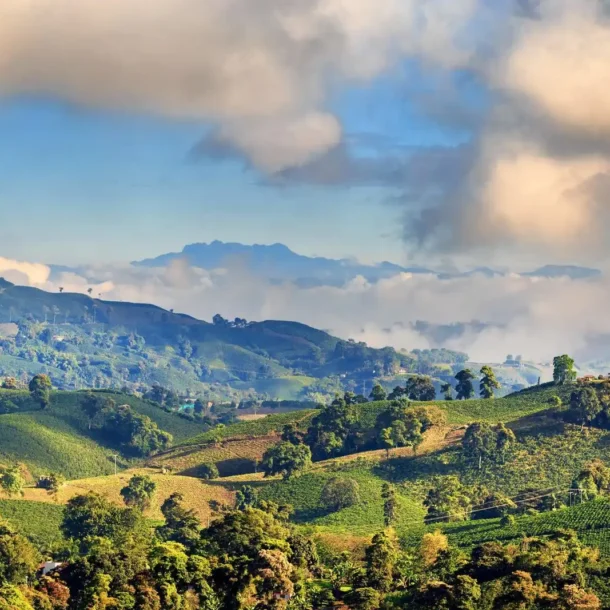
(492, 316)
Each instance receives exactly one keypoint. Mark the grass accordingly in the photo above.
(197, 494)
(252, 429)
(236, 456)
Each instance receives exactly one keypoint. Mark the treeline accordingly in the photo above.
(336, 430)
(253, 558)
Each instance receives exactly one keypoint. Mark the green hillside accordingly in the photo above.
(591, 520)
(58, 439)
(81, 341)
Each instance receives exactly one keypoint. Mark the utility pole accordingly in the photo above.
(114, 455)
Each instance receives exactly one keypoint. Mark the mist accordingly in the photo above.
(488, 317)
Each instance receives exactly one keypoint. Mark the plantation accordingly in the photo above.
(38, 521)
(591, 520)
(58, 439)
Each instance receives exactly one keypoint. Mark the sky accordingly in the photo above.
(78, 167)
(447, 133)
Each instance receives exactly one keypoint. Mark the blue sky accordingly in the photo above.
(96, 186)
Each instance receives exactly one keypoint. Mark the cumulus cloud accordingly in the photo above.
(539, 176)
(261, 71)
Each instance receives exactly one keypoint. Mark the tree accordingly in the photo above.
(386, 440)
(139, 492)
(246, 497)
(448, 500)
(10, 383)
(483, 443)
(208, 471)
(12, 481)
(365, 598)
(380, 558)
(464, 387)
(340, 493)
(431, 545)
(18, 558)
(563, 370)
(390, 505)
(447, 391)
(93, 515)
(286, 459)
(94, 405)
(40, 390)
(488, 383)
(585, 405)
(378, 393)
(333, 431)
(291, 434)
(420, 388)
(479, 443)
(181, 524)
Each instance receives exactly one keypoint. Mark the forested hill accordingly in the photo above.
(80, 340)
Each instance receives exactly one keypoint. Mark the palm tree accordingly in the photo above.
(61, 289)
(89, 290)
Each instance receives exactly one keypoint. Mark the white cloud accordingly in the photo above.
(536, 317)
(260, 70)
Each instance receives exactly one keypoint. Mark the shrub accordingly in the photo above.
(507, 521)
(340, 493)
(208, 471)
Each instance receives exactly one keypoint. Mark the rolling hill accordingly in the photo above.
(81, 341)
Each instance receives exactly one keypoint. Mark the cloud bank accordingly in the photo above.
(487, 317)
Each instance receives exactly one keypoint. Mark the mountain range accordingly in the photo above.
(278, 263)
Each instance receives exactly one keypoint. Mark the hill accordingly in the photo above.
(82, 341)
(58, 439)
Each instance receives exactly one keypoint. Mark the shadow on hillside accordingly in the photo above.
(398, 470)
(226, 468)
(306, 515)
(543, 423)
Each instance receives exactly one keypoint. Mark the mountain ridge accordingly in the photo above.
(277, 262)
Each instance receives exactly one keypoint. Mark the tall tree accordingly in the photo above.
(378, 393)
(464, 387)
(381, 558)
(390, 505)
(40, 390)
(12, 481)
(488, 383)
(585, 405)
(420, 388)
(479, 443)
(447, 391)
(563, 370)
